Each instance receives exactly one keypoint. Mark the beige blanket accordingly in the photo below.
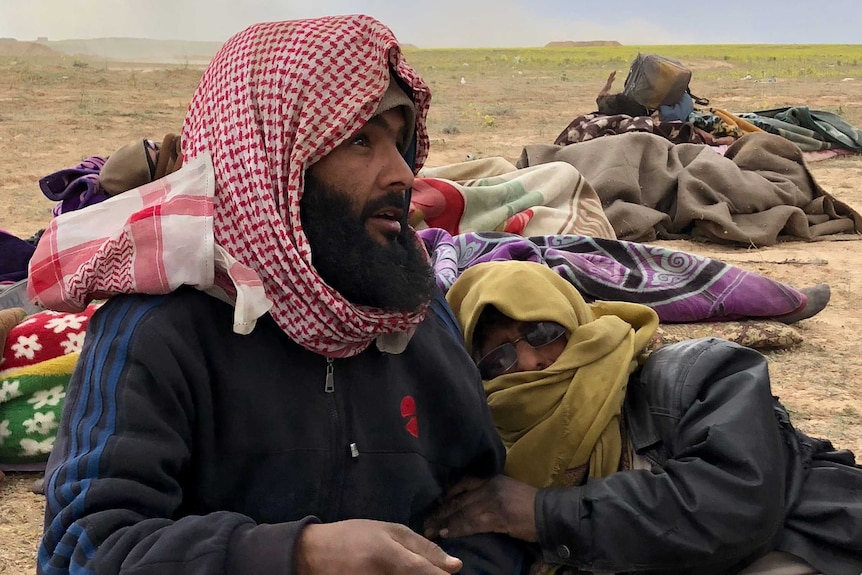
(758, 193)
(493, 195)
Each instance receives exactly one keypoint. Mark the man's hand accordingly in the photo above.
(369, 547)
(497, 505)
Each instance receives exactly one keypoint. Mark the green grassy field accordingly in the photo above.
(758, 60)
(780, 60)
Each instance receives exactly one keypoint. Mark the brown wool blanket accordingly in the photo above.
(760, 192)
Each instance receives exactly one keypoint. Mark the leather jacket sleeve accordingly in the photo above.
(715, 494)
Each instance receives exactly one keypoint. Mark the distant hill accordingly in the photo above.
(9, 47)
(138, 50)
(133, 50)
(579, 44)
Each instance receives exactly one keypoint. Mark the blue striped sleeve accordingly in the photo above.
(113, 484)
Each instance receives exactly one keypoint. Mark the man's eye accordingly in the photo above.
(360, 140)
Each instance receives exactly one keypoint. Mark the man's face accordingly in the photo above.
(352, 211)
(369, 169)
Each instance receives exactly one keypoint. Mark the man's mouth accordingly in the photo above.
(387, 221)
(391, 213)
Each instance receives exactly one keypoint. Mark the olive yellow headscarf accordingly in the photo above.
(567, 414)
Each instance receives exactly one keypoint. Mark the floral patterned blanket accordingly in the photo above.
(38, 359)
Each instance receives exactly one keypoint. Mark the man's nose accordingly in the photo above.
(530, 358)
(396, 174)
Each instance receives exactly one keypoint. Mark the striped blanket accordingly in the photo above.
(493, 195)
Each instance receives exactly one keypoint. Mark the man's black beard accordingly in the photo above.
(394, 277)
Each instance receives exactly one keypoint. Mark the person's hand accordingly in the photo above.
(607, 87)
(369, 547)
(497, 505)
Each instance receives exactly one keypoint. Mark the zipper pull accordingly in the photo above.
(330, 378)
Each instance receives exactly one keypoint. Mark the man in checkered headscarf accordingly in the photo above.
(314, 436)
(277, 116)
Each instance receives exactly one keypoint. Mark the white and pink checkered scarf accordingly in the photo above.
(275, 99)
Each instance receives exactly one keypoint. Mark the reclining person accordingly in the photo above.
(679, 463)
(609, 104)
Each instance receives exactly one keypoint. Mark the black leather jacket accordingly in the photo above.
(730, 481)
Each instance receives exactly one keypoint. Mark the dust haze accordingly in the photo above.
(438, 24)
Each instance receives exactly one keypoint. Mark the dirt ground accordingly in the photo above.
(54, 114)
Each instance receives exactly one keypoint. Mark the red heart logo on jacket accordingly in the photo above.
(408, 410)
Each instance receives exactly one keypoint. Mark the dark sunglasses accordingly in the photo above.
(504, 357)
(149, 146)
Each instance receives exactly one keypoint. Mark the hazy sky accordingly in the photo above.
(454, 23)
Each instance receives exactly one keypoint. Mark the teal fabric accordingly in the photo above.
(810, 129)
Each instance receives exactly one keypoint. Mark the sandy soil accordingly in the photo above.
(53, 115)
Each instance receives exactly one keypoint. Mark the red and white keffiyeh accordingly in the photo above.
(152, 239)
(275, 99)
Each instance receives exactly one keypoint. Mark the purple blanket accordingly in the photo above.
(75, 188)
(16, 254)
(679, 286)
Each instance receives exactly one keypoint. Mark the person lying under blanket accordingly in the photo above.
(681, 287)
(682, 462)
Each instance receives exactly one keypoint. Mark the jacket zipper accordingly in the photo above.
(336, 445)
(329, 386)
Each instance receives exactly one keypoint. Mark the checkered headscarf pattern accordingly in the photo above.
(275, 99)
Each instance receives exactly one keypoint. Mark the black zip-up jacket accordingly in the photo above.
(187, 449)
(731, 479)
